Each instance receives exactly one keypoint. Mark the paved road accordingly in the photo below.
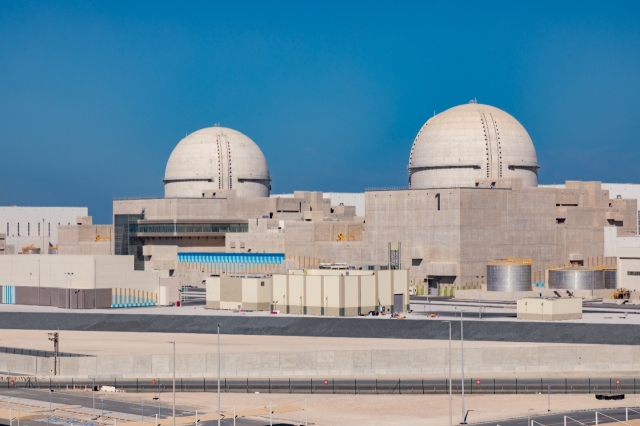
(586, 417)
(509, 331)
(109, 405)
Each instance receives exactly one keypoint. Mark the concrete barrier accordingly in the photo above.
(337, 363)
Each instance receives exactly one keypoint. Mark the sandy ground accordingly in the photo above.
(378, 410)
(121, 343)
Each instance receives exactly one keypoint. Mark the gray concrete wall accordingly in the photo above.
(493, 359)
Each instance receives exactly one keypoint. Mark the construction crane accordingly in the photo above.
(100, 238)
(343, 238)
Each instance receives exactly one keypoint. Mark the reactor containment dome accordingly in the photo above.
(471, 142)
(211, 161)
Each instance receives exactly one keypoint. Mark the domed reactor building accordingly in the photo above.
(214, 160)
(468, 143)
(472, 198)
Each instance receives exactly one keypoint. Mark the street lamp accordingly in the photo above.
(102, 401)
(219, 376)
(529, 416)
(463, 422)
(50, 391)
(70, 277)
(160, 389)
(174, 382)
(450, 384)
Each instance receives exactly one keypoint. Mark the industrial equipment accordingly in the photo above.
(30, 249)
(348, 237)
(100, 238)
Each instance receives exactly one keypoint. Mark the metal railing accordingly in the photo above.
(346, 386)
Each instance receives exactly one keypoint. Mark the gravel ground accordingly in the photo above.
(12, 317)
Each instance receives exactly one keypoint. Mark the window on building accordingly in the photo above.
(28, 229)
(438, 201)
(7, 229)
(18, 229)
(49, 231)
(38, 229)
(634, 273)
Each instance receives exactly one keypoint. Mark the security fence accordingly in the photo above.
(341, 386)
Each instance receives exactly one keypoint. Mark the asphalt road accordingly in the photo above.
(109, 405)
(508, 331)
(586, 417)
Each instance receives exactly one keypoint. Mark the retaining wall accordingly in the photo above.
(336, 363)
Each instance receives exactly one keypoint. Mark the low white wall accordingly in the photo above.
(492, 359)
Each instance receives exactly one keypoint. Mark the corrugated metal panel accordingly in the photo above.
(576, 279)
(610, 279)
(509, 277)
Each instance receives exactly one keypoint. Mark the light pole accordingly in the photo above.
(93, 396)
(529, 416)
(50, 392)
(69, 298)
(450, 384)
(42, 251)
(218, 374)
(142, 404)
(102, 402)
(463, 422)
(160, 388)
(174, 383)
(19, 401)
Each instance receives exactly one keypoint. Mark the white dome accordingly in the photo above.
(216, 158)
(470, 142)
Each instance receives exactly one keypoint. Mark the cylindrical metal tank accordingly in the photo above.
(508, 276)
(30, 250)
(576, 278)
(610, 278)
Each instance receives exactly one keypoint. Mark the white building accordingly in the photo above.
(37, 226)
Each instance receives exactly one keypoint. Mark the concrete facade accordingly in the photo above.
(327, 363)
(85, 238)
(71, 273)
(37, 226)
(472, 226)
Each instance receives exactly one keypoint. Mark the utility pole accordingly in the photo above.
(54, 337)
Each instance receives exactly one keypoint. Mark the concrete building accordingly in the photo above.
(76, 281)
(549, 309)
(35, 226)
(322, 292)
(472, 198)
(84, 237)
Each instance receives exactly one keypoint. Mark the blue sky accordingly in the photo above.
(95, 95)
